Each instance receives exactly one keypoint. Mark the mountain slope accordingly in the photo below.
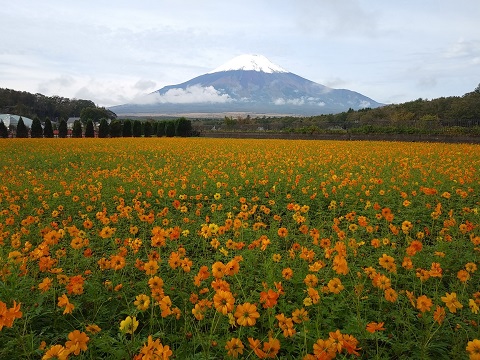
(248, 83)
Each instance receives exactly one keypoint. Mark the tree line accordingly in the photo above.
(181, 127)
(54, 108)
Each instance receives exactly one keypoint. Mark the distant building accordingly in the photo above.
(12, 120)
(70, 122)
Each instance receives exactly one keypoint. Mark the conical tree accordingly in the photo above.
(147, 129)
(22, 130)
(161, 128)
(183, 127)
(3, 130)
(36, 131)
(116, 128)
(127, 128)
(48, 128)
(137, 128)
(62, 129)
(103, 128)
(77, 129)
(170, 129)
(89, 130)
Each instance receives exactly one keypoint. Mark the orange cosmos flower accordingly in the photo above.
(77, 341)
(64, 302)
(151, 267)
(107, 232)
(223, 301)
(75, 285)
(424, 303)
(451, 302)
(93, 328)
(473, 349)
(45, 285)
(439, 315)
(340, 265)
(388, 263)
(268, 298)
(287, 273)
(232, 267)
(372, 327)
(155, 350)
(282, 232)
(311, 280)
(390, 295)
(234, 347)
(218, 269)
(56, 352)
(300, 315)
(142, 302)
(246, 314)
(335, 285)
(463, 276)
(117, 262)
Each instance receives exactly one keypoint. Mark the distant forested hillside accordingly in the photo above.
(37, 105)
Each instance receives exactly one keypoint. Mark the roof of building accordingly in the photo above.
(10, 119)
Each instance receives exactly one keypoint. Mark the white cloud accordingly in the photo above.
(299, 101)
(192, 94)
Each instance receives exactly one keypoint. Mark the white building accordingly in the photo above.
(9, 119)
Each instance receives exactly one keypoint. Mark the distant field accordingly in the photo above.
(202, 248)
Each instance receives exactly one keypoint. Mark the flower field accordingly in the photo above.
(194, 248)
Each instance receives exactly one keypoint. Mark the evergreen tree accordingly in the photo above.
(103, 129)
(62, 129)
(147, 129)
(170, 129)
(48, 128)
(36, 131)
(22, 130)
(77, 129)
(116, 128)
(127, 128)
(3, 130)
(89, 130)
(154, 128)
(183, 127)
(161, 128)
(137, 128)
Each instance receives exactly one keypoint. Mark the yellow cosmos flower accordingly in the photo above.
(129, 325)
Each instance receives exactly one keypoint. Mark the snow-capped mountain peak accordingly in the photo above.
(250, 62)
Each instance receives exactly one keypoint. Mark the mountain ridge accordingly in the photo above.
(248, 83)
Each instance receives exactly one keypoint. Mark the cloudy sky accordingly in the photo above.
(113, 51)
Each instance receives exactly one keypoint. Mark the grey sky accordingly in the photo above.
(113, 51)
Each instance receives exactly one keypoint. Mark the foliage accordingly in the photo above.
(89, 129)
(116, 128)
(36, 131)
(161, 128)
(183, 127)
(170, 129)
(103, 128)
(137, 128)
(31, 105)
(48, 129)
(77, 131)
(148, 129)
(96, 114)
(127, 128)
(62, 129)
(215, 248)
(3, 130)
(22, 130)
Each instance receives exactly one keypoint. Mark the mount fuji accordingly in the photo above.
(247, 84)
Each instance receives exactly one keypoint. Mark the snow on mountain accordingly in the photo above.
(250, 62)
